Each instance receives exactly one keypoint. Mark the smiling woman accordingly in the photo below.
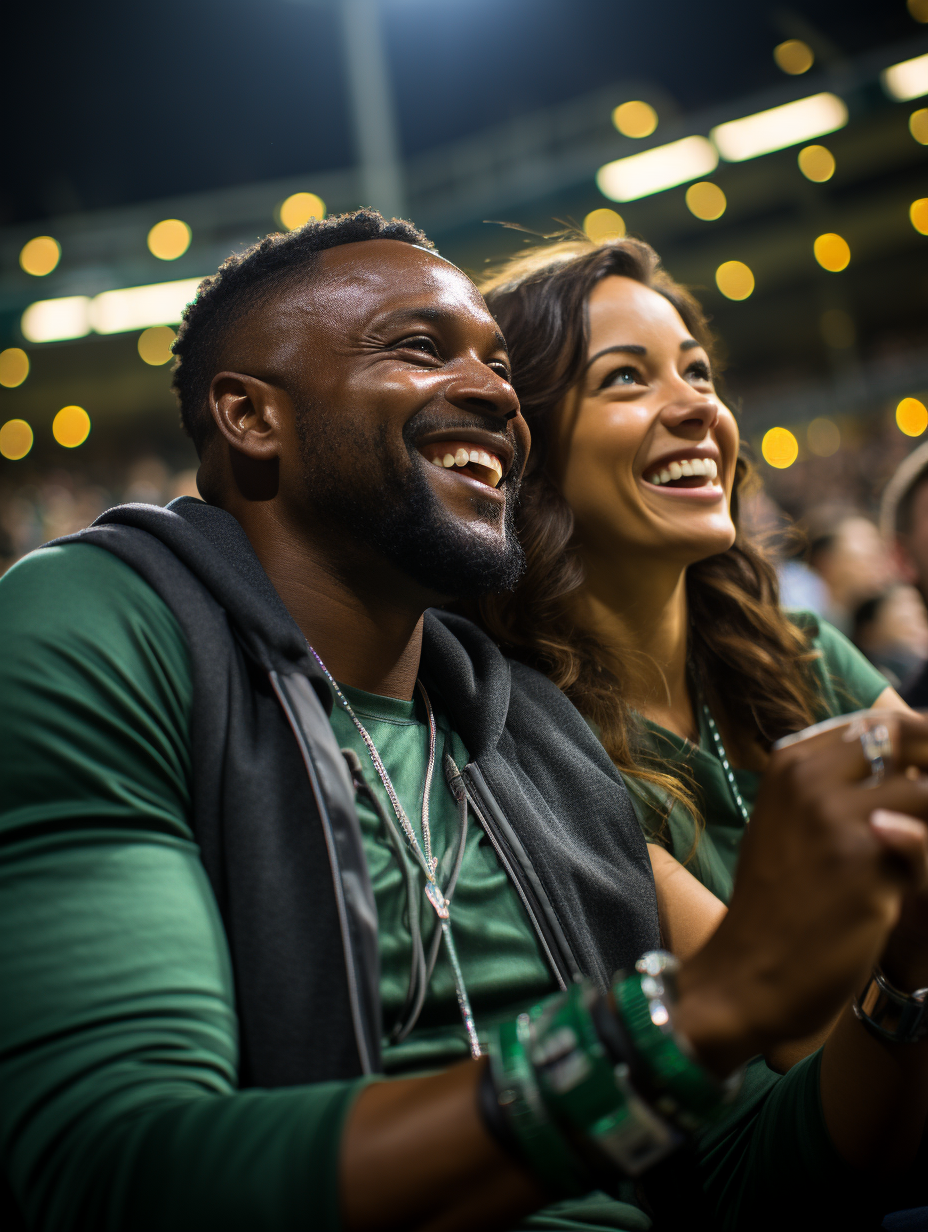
(642, 597)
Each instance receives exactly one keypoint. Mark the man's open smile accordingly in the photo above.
(481, 456)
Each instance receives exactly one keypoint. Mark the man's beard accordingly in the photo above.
(398, 513)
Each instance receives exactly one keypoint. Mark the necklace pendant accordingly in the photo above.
(437, 899)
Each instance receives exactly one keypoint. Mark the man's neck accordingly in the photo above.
(361, 615)
(640, 613)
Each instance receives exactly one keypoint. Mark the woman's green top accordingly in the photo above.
(846, 681)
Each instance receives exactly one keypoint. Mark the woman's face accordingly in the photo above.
(646, 451)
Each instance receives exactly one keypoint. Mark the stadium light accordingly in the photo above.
(906, 80)
(779, 127)
(652, 171)
(110, 312)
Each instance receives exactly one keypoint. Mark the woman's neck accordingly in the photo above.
(641, 615)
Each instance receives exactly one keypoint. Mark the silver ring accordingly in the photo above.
(878, 747)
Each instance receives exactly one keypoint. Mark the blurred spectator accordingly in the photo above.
(892, 631)
(904, 522)
(852, 561)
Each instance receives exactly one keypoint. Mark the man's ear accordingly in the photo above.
(904, 563)
(249, 413)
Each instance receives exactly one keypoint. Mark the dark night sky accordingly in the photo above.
(110, 103)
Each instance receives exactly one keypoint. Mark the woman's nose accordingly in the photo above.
(688, 408)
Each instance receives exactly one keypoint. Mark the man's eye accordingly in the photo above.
(622, 376)
(420, 342)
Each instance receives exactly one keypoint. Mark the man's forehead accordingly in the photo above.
(378, 274)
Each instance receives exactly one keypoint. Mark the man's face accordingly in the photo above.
(395, 369)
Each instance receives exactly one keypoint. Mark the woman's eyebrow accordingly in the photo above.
(628, 349)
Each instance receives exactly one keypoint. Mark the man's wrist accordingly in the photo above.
(710, 1013)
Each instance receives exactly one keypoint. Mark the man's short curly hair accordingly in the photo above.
(250, 278)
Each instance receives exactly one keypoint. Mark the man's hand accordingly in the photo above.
(822, 881)
(905, 959)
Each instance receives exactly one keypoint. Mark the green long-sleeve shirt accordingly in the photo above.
(119, 1106)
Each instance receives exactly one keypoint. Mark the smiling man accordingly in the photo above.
(272, 831)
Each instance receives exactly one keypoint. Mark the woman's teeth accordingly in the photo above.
(686, 468)
(489, 468)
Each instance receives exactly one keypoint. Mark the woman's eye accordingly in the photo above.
(622, 376)
(501, 370)
(699, 371)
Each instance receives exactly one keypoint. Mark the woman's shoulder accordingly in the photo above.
(847, 679)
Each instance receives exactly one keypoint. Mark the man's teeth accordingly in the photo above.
(685, 467)
(462, 457)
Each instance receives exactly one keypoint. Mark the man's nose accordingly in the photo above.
(475, 387)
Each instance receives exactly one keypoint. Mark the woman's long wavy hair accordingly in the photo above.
(749, 661)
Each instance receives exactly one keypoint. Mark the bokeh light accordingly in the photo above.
(780, 448)
(15, 439)
(823, 437)
(155, 345)
(832, 252)
(706, 200)
(14, 367)
(299, 208)
(918, 125)
(912, 416)
(817, 163)
(838, 329)
(71, 426)
(635, 119)
(794, 57)
(40, 256)
(918, 213)
(603, 225)
(169, 239)
(734, 279)
(918, 9)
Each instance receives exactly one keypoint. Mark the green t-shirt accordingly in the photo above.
(846, 681)
(119, 1105)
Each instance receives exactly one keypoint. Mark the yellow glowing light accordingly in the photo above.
(71, 426)
(155, 345)
(299, 208)
(794, 57)
(604, 225)
(635, 119)
(918, 213)
(706, 201)
(169, 239)
(817, 163)
(652, 171)
(15, 439)
(734, 279)
(906, 80)
(779, 127)
(40, 256)
(780, 448)
(918, 9)
(838, 329)
(912, 416)
(823, 437)
(14, 367)
(832, 252)
(918, 125)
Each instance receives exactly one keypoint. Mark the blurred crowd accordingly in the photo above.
(820, 519)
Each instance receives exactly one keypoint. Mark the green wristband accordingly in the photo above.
(544, 1148)
(687, 1094)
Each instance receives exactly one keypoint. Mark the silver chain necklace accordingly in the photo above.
(726, 766)
(427, 862)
